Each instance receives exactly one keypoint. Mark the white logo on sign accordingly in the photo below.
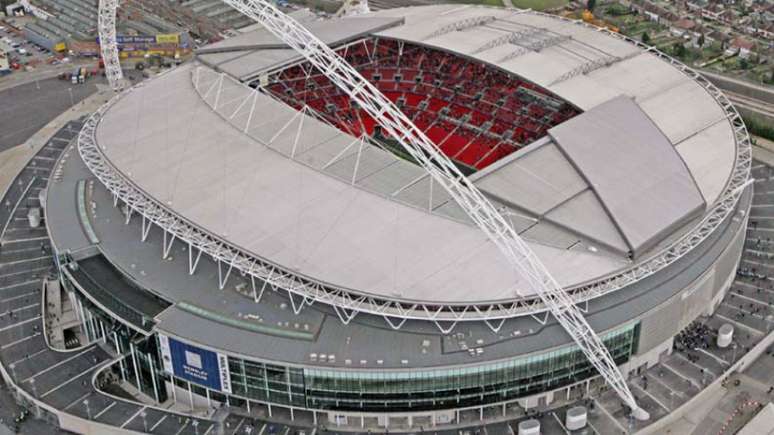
(193, 360)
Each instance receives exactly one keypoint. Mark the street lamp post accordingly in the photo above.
(88, 410)
(72, 101)
(144, 416)
(195, 425)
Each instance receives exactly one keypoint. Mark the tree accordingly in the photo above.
(678, 49)
(743, 63)
(645, 38)
(701, 40)
(590, 4)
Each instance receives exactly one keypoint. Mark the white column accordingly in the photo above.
(121, 359)
(94, 326)
(102, 328)
(190, 395)
(134, 363)
(174, 389)
(153, 379)
(83, 318)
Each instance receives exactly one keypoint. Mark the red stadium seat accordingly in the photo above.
(484, 103)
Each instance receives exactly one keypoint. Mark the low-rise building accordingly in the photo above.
(5, 58)
(742, 47)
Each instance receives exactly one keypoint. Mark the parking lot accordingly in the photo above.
(25, 109)
(34, 55)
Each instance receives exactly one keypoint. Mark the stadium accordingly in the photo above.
(247, 235)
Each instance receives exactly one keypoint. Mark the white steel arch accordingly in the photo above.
(443, 171)
(106, 24)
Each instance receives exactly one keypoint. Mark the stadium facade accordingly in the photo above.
(245, 235)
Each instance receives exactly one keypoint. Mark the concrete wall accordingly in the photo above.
(663, 322)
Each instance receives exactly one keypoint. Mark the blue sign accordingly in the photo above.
(196, 365)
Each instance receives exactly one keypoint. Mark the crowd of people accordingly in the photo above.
(696, 336)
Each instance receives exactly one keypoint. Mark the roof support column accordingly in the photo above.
(169, 240)
(193, 262)
(146, 226)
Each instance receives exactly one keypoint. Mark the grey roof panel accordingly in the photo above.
(706, 157)
(537, 181)
(697, 109)
(584, 214)
(638, 175)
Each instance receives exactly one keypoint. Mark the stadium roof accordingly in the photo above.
(270, 330)
(243, 55)
(638, 176)
(301, 194)
(302, 215)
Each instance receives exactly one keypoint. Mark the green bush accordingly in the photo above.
(759, 127)
(617, 10)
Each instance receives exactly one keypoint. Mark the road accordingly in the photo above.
(752, 104)
(26, 108)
